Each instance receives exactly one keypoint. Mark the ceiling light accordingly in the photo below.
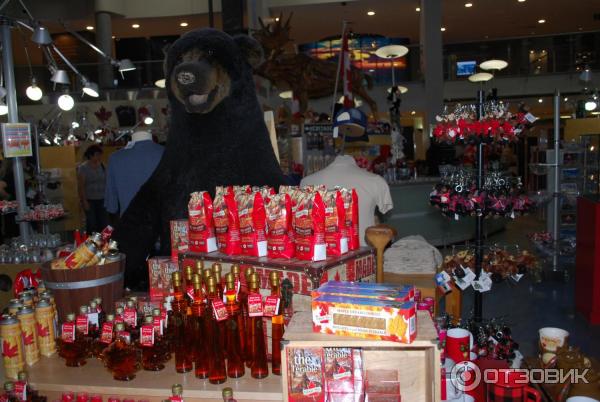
(418, 9)
(402, 89)
(41, 36)
(183, 24)
(590, 105)
(586, 75)
(521, 1)
(480, 77)
(276, 19)
(60, 77)
(125, 65)
(90, 88)
(595, 113)
(443, 29)
(540, 100)
(135, 26)
(162, 83)
(566, 99)
(286, 95)
(66, 102)
(391, 51)
(413, 113)
(148, 120)
(370, 13)
(565, 116)
(531, 52)
(113, 36)
(494, 64)
(89, 28)
(542, 21)
(34, 92)
(468, 5)
(98, 131)
(3, 108)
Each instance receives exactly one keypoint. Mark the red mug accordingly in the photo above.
(459, 343)
(511, 385)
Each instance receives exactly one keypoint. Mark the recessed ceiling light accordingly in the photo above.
(566, 99)
(276, 19)
(413, 113)
(468, 5)
(418, 9)
(540, 100)
(580, 29)
(113, 36)
(135, 26)
(521, 1)
(541, 21)
(89, 28)
(370, 13)
(183, 24)
(531, 51)
(443, 29)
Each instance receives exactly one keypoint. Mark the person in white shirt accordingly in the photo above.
(372, 189)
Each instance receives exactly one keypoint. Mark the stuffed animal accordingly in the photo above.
(217, 136)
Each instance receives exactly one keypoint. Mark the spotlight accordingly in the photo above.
(540, 100)
(60, 77)
(135, 26)
(41, 36)
(370, 13)
(90, 88)
(89, 28)
(590, 105)
(34, 92)
(541, 21)
(183, 24)
(162, 83)
(66, 102)
(125, 65)
(148, 120)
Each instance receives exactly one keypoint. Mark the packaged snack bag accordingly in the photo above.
(179, 237)
(305, 382)
(294, 193)
(309, 227)
(351, 210)
(335, 223)
(201, 229)
(226, 220)
(339, 370)
(280, 236)
(252, 221)
(265, 191)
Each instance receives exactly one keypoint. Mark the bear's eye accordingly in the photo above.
(210, 52)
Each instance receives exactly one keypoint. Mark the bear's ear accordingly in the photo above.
(250, 48)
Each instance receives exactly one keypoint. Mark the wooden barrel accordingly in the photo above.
(73, 288)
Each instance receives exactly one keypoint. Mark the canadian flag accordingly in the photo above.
(345, 71)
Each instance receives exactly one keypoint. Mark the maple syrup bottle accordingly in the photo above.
(216, 270)
(82, 324)
(130, 316)
(199, 267)
(160, 338)
(152, 357)
(101, 312)
(235, 362)
(276, 323)
(247, 351)
(216, 361)
(121, 357)
(72, 344)
(241, 321)
(106, 337)
(177, 393)
(258, 367)
(197, 320)
(183, 358)
(228, 395)
(9, 392)
(188, 272)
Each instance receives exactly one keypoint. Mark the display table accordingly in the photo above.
(418, 363)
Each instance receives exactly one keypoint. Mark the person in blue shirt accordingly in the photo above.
(128, 170)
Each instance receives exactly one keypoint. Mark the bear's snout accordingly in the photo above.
(186, 77)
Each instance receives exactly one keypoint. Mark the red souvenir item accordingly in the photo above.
(201, 230)
(350, 199)
(309, 227)
(26, 279)
(226, 220)
(335, 223)
(252, 221)
(280, 236)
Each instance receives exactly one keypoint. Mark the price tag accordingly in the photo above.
(255, 308)
(107, 332)
(130, 317)
(125, 335)
(147, 335)
(82, 324)
(165, 319)
(68, 332)
(157, 322)
(190, 292)
(93, 318)
(21, 390)
(219, 310)
(271, 306)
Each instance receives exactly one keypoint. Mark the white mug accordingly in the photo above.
(581, 399)
(552, 338)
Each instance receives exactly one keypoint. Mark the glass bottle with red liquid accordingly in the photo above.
(244, 302)
(121, 358)
(9, 392)
(216, 270)
(188, 272)
(235, 270)
(152, 357)
(182, 347)
(235, 362)
(72, 345)
(213, 332)
(276, 321)
(199, 267)
(160, 338)
(105, 338)
(100, 310)
(93, 319)
(197, 324)
(82, 324)
(259, 367)
(130, 316)
(176, 393)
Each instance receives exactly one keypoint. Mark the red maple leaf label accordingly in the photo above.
(27, 338)
(9, 351)
(41, 330)
(337, 276)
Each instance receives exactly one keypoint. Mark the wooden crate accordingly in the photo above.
(418, 363)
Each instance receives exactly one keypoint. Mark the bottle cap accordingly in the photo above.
(230, 281)
(43, 303)
(274, 278)
(156, 312)
(9, 386)
(227, 392)
(98, 300)
(216, 268)
(70, 317)
(177, 389)
(110, 317)
(83, 310)
(206, 274)
(176, 278)
(130, 304)
(119, 310)
(93, 305)
(8, 320)
(196, 279)
(120, 326)
(188, 270)
(235, 269)
(25, 310)
(211, 284)
(249, 271)
(199, 266)
(148, 319)
(22, 376)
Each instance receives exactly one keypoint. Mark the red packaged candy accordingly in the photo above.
(252, 220)
(201, 229)
(335, 223)
(309, 227)
(226, 220)
(280, 236)
(351, 212)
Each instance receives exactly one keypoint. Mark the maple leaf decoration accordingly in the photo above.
(9, 351)
(27, 339)
(337, 276)
(41, 330)
(103, 115)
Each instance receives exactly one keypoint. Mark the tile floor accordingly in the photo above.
(529, 306)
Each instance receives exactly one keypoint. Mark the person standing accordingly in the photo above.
(92, 182)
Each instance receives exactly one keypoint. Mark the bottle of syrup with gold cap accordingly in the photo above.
(258, 366)
(197, 327)
(235, 362)
(183, 361)
(216, 270)
(188, 272)
(152, 356)
(247, 351)
(235, 270)
(217, 373)
(274, 301)
(199, 267)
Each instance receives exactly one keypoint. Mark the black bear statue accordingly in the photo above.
(217, 136)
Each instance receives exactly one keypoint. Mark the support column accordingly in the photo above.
(104, 42)
(255, 9)
(431, 60)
